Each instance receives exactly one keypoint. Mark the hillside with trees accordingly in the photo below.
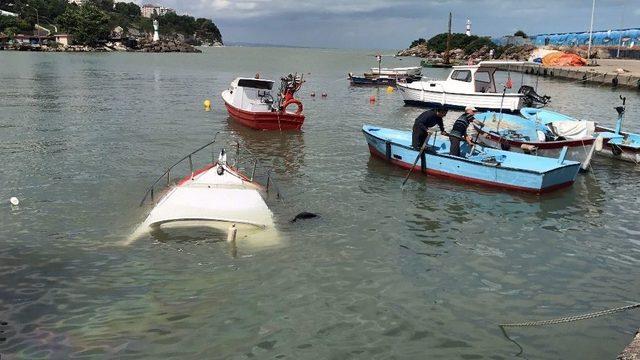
(94, 21)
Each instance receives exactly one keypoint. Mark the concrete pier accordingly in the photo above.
(604, 74)
(632, 351)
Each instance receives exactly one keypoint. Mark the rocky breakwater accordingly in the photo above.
(164, 46)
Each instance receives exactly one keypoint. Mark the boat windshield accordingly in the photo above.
(256, 84)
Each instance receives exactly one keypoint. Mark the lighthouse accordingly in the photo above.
(468, 32)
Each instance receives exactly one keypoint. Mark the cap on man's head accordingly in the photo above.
(470, 108)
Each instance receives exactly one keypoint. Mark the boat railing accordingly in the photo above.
(244, 161)
(248, 164)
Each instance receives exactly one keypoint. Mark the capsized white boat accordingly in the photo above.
(217, 196)
(471, 85)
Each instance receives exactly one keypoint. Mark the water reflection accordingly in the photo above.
(284, 151)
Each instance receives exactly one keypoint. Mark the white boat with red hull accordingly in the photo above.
(251, 102)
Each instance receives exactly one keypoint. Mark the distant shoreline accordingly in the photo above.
(162, 46)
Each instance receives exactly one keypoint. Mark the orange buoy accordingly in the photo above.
(372, 99)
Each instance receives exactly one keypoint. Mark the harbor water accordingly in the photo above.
(425, 272)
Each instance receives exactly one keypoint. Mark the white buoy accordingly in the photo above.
(14, 201)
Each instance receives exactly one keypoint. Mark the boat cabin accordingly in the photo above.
(478, 78)
(472, 78)
(251, 94)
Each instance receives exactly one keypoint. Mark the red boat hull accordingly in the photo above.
(274, 120)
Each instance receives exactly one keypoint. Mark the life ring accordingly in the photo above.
(293, 101)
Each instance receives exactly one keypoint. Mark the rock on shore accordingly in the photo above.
(166, 46)
(161, 46)
(509, 52)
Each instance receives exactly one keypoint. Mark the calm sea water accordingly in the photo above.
(428, 272)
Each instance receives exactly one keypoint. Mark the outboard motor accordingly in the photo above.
(532, 98)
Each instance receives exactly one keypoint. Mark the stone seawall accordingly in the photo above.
(608, 73)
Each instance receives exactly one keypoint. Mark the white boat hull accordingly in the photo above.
(401, 71)
(433, 94)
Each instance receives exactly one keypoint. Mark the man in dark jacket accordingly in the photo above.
(425, 121)
(459, 130)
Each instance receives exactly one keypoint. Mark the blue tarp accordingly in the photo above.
(628, 37)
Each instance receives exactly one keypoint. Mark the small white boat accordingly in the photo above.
(411, 71)
(471, 85)
(216, 196)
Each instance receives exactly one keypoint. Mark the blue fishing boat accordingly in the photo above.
(478, 165)
(616, 143)
(519, 134)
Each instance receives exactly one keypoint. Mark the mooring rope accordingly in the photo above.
(573, 318)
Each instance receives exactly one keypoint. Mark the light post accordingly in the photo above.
(593, 9)
(37, 18)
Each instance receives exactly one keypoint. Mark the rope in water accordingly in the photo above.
(573, 318)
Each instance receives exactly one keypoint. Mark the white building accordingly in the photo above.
(77, 2)
(149, 10)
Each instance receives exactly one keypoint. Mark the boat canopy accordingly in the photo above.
(253, 83)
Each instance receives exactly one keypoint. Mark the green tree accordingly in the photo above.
(87, 23)
(13, 25)
(130, 10)
(417, 42)
(520, 33)
(478, 43)
(458, 41)
(104, 5)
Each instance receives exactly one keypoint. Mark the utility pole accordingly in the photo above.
(446, 54)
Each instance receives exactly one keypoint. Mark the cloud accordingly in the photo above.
(393, 24)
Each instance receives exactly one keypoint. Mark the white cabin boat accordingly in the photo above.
(250, 102)
(470, 85)
(411, 71)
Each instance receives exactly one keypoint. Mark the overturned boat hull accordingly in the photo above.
(216, 196)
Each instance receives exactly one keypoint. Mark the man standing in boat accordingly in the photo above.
(459, 131)
(425, 121)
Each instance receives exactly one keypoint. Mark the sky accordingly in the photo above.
(393, 24)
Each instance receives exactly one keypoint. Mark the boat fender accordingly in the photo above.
(505, 146)
(528, 148)
(293, 101)
(614, 82)
(599, 143)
